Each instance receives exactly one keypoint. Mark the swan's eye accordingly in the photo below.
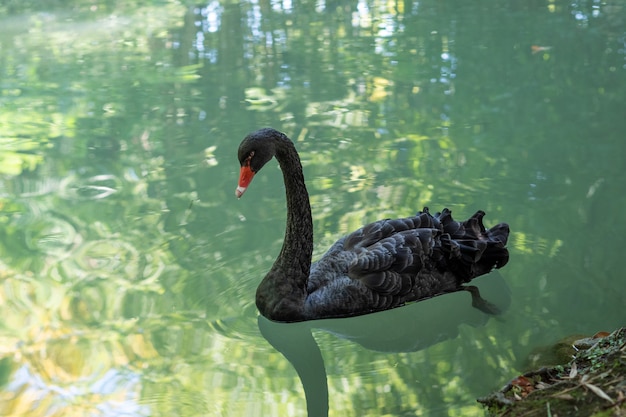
(248, 159)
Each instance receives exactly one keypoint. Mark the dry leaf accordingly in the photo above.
(598, 391)
(523, 385)
(563, 396)
(537, 48)
(574, 371)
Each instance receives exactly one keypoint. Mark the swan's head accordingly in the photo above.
(255, 151)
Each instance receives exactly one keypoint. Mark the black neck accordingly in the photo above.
(298, 244)
(282, 293)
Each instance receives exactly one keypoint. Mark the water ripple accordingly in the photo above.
(93, 188)
(51, 235)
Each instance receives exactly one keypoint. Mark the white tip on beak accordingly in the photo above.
(239, 191)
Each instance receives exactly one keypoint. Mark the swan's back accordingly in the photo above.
(388, 263)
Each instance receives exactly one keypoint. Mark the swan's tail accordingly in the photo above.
(468, 248)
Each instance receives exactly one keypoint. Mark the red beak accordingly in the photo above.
(245, 176)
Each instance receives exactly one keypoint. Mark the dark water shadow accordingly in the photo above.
(407, 329)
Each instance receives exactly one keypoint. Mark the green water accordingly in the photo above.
(128, 268)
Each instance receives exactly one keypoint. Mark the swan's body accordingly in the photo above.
(382, 265)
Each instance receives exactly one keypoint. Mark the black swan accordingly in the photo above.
(380, 266)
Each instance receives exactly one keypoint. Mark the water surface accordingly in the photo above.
(128, 269)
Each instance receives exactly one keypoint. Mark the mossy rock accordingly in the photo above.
(593, 383)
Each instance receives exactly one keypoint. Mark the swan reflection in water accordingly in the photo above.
(405, 329)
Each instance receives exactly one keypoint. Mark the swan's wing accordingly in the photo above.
(390, 262)
(397, 257)
(390, 254)
(480, 249)
(390, 266)
(374, 232)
